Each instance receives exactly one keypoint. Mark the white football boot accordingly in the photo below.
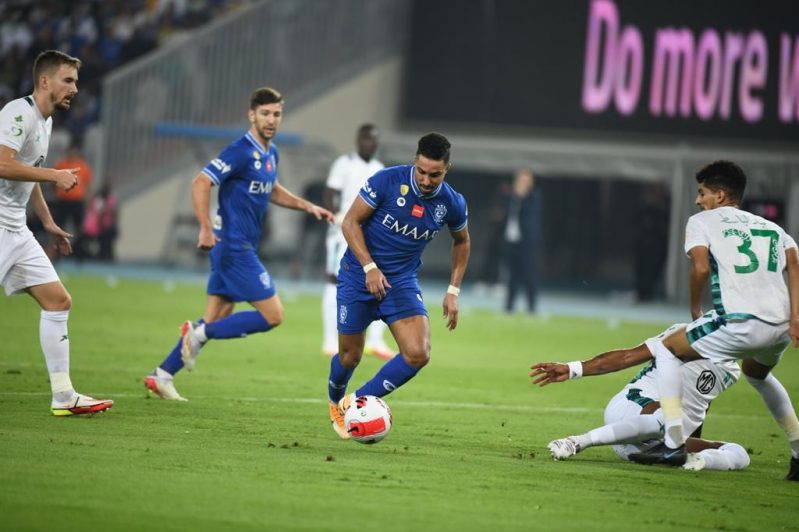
(190, 344)
(163, 388)
(563, 448)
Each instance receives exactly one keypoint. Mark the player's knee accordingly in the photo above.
(350, 356)
(275, 318)
(59, 303)
(418, 356)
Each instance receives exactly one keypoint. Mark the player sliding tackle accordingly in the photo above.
(396, 214)
(755, 314)
(633, 417)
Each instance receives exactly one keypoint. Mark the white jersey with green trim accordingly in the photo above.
(747, 259)
(702, 381)
(26, 131)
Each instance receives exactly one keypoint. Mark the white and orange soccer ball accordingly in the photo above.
(368, 419)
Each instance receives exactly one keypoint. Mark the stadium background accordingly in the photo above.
(504, 79)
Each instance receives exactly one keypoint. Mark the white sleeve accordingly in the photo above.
(789, 242)
(15, 126)
(338, 174)
(695, 234)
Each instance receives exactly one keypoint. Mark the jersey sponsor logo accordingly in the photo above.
(408, 230)
(440, 213)
(705, 382)
(221, 165)
(342, 314)
(401, 201)
(269, 165)
(259, 187)
(404, 189)
(417, 211)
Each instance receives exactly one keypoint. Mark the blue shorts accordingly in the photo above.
(357, 308)
(238, 275)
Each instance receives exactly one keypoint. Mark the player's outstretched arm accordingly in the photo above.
(201, 201)
(548, 372)
(461, 247)
(792, 267)
(281, 196)
(360, 212)
(60, 236)
(14, 170)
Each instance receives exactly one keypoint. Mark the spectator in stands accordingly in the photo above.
(522, 238)
(70, 205)
(100, 227)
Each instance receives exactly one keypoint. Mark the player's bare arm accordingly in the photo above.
(359, 212)
(281, 196)
(700, 271)
(792, 267)
(201, 201)
(548, 372)
(12, 169)
(461, 247)
(60, 236)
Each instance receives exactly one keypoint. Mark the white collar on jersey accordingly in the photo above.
(255, 143)
(418, 192)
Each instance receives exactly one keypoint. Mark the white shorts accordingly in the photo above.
(620, 408)
(738, 339)
(336, 245)
(23, 262)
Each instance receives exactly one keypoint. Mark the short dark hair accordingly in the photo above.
(264, 96)
(368, 130)
(49, 61)
(434, 146)
(726, 176)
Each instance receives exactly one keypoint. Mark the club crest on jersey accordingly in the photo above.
(256, 155)
(439, 213)
(404, 189)
(417, 211)
(265, 280)
(705, 382)
(342, 314)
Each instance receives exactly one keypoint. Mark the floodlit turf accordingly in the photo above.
(253, 449)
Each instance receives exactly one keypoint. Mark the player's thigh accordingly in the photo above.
(271, 309)
(356, 307)
(622, 407)
(24, 264)
(51, 296)
(239, 275)
(720, 341)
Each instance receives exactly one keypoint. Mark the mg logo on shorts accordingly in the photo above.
(342, 314)
(705, 382)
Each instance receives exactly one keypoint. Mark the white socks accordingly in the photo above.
(779, 404)
(329, 318)
(374, 334)
(55, 346)
(670, 387)
(635, 429)
(728, 457)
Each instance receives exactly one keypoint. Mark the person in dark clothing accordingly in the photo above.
(522, 238)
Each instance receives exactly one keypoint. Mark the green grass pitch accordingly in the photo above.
(253, 449)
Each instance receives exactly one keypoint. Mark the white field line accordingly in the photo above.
(419, 404)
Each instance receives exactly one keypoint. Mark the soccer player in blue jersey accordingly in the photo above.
(246, 174)
(397, 213)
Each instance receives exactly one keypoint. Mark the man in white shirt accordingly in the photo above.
(633, 417)
(755, 313)
(25, 127)
(347, 175)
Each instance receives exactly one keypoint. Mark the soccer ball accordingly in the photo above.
(368, 419)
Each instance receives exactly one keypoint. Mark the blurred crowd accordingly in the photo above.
(102, 33)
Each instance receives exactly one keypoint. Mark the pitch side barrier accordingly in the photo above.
(189, 130)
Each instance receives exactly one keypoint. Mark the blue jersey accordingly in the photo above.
(403, 223)
(246, 175)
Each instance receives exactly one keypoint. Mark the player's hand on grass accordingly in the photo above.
(66, 179)
(451, 311)
(320, 213)
(60, 237)
(376, 283)
(548, 372)
(207, 239)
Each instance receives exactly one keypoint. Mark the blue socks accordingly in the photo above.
(339, 377)
(391, 376)
(237, 325)
(234, 326)
(173, 363)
